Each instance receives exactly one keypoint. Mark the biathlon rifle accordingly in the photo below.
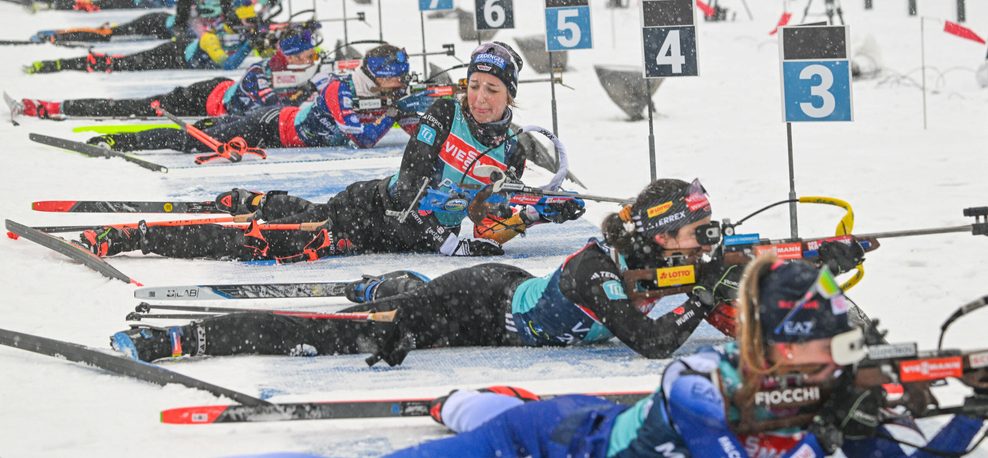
(737, 249)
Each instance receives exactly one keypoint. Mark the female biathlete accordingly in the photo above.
(381, 215)
(295, 55)
(584, 301)
(793, 319)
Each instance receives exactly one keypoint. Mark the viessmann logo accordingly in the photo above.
(931, 369)
(782, 250)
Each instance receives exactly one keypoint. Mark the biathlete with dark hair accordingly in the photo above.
(294, 64)
(584, 301)
(361, 218)
(704, 399)
(329, 120)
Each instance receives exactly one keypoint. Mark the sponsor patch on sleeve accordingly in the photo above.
(614, 290)
(427, 135)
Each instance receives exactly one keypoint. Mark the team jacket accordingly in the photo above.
(446, 143)
(331, 120)
(585, 301)
(686, 417)
(218, 49)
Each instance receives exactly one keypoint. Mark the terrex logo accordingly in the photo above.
(659, 209)
(459, 155)
(920, 370)
(672, 276)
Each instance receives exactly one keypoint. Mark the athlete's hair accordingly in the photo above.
(631, 243)
(752, 346)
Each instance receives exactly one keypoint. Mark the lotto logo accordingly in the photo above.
(931, 369)
(659, 209)
(674, 276)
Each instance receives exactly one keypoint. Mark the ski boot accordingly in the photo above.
(109, 240)
(239, 201)
(370, 288)
(43, 66)
(436, 406)
(44, 36)
(146, 343)
(99, 62)
(41, 109)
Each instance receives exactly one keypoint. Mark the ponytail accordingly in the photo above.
(752, 345)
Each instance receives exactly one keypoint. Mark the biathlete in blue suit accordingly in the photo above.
(793, 318)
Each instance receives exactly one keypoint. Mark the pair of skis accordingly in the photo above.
(250, 409)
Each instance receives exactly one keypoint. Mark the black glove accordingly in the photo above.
(717, 283)
(411, 325)
(471, 247)
(840, 257)
(854, 411)
(393, 347)
(558, 213)
(827, 435)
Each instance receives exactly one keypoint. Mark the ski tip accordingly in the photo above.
(12, 236)
(136, 283)
(52, 205)
(192, 415)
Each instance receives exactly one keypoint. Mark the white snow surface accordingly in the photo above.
(724, 127)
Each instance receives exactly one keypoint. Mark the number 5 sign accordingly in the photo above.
(816, 74)
(669, 38)
(567, 25)
(495, 14)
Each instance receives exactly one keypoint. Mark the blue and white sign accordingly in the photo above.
(435, 5)
(816, 74)
(741, 239)
(669, 38)
(567, 25)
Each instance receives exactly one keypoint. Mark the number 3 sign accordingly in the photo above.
(816, 74)
(567, 25)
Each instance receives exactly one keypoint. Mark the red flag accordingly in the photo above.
(707, 9)
(954, 28)
(786, 16)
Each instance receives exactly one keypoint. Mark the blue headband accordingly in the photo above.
(388, 66)
(297, 43)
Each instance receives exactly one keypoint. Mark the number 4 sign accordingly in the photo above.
(816, 74)
(495, 14)
(669, 38)
(567, 25)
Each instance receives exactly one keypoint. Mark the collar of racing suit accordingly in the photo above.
(491, 133)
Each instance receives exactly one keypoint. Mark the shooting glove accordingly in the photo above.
(716, 290)
(840, 257)
(411, 325)
(470, 247)
(556, 212)
(415, 103)
(853, 410)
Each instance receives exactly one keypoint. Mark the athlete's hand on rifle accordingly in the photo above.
(717, 289)
(853, 410)
(416, 103)
(470, 247)
(556, 212)
(840, 257)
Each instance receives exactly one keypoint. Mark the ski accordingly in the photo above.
(71, 250)
(242, 291)
(117, 364)
(16, 108)
(122, 128)
(331, 410)
(94, 151)
(110, 206)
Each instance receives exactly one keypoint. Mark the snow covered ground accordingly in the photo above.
(723, 127)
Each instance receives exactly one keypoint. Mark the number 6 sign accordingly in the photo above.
(816, 74)
(567, 25)
(495, 14)
(669, 38)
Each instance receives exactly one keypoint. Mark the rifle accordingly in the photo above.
(739, 249)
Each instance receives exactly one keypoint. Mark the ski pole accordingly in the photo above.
(233, 150)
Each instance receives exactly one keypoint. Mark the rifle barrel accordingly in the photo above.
(912, 232)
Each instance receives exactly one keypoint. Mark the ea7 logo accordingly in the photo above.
(798, 328)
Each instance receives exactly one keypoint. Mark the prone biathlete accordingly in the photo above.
(584, 301)
(295, 57)
(329, 120)
(360, 219)
(703, 400)
(222, 48)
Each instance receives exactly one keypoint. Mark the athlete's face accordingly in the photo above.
(390, 84)
(814, 354)
(685, 239)
(487, 97)
(303, 58)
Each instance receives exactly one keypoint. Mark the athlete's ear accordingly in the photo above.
(663, 240)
